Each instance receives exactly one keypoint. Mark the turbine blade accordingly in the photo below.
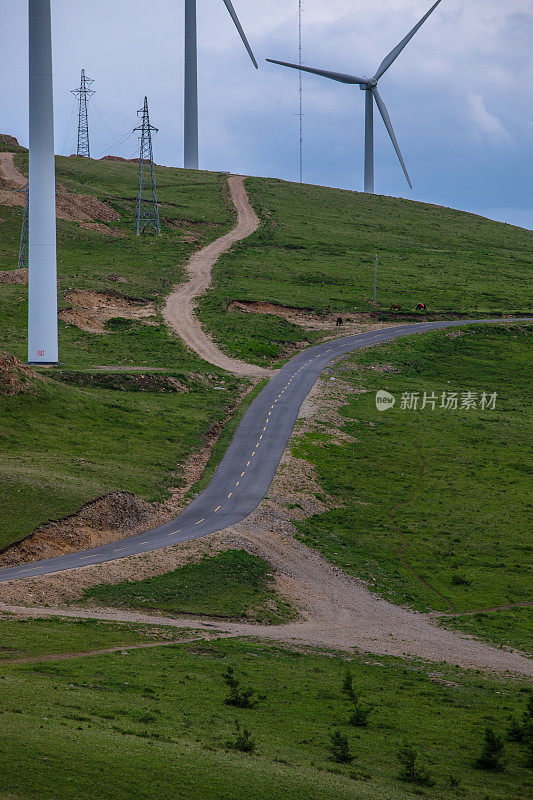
(233, 15)
(334, 76)
(393, 55)
(388, 124)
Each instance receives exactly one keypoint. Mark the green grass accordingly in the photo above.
(453, 486)
(316, 250)
(191, 204)
(510, 628)
(156, 719)
(232, 584)
(42, 637)
(63, 445)
(70, 442)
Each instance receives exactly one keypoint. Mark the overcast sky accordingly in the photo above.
(460, 96)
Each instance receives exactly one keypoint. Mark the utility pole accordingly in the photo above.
(300, 89)
(83, 94)
(376, 281)
(24, 239)
(42, 289)
(146, 212)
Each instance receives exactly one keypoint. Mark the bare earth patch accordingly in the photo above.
(91, 310)
(352, 322)
(89, 211)
(14, 277)
(15, 377)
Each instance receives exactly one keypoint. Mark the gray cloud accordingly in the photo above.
(460, 95)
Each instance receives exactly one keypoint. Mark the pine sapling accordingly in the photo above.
(492, 752)
(410, 771)
(340, 748)
(237, 697)
(243, 741)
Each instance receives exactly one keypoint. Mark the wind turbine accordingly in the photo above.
(191, 79)
(42, 290)
(370, 86)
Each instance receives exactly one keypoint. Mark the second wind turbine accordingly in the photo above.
(191, 79)
(370, 86)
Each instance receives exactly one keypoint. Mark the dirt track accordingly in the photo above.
(179, 308)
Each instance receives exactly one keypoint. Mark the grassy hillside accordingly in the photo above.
(193, 212)
(435, 503)
(156, 719)
(316, 251)
(64, 445)
(80, 435)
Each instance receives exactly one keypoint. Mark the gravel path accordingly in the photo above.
(179, 310)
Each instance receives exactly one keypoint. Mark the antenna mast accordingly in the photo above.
(146, 211)
(300, 90)
(83, 94)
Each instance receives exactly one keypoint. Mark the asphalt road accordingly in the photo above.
(250, 463)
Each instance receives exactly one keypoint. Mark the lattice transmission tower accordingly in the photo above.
(147, 211)
(24, 248)
(83, 94)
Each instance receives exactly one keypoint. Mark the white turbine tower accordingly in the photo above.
(191, 79)
(42, 293)
(370, 86)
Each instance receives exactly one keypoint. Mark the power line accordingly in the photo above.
(83, 93)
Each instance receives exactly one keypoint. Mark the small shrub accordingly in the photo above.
(340, 749)
(361, 711)
(515, 731)
(410, 771)
(460, 580)
(360, 714)
(347, 684)
(237, 697)
(243, 741)
(492, 752)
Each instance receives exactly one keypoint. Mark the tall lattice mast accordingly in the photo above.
(83, 94)
(146, 212)
(300, 90)
(23, 258)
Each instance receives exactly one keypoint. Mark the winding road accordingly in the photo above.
(250, 463)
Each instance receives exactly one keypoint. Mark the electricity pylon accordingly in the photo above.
(146, 212)
(23, 258)
(83, 94)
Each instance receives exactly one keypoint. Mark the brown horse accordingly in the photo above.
(396, 308)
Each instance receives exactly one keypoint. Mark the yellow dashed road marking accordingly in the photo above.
(242, 474)
(216, 509)
(200, 520)
(248, 464)
(229, 495)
